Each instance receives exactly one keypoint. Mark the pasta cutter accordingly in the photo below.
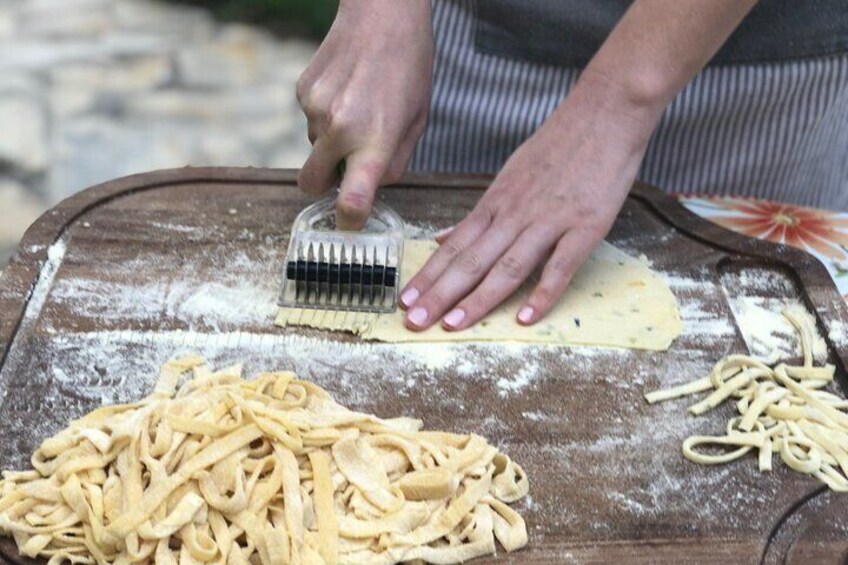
(330, 269)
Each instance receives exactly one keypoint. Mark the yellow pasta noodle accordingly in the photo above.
(223, 470)
(782, 410)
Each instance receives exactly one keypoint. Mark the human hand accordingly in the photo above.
(553, 201)
(366, 94)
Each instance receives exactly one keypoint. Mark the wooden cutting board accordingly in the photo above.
(117, 279)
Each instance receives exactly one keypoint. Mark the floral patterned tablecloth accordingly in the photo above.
(823, 233)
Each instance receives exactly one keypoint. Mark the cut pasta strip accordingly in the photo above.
(782, 411)
(226, 471)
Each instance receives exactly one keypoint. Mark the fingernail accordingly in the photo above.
(418, 316)
(454, 317)
(444, 232)
(409, 296)
(525, 315)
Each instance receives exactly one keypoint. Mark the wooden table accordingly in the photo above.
(121, 277)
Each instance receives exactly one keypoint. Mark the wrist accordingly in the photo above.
(611, 106)
(639, 99)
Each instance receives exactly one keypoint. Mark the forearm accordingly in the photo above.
(656, 48)
(385, 11)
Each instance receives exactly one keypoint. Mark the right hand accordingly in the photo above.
(366, 94)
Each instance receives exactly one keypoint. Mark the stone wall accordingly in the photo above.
(96, 89)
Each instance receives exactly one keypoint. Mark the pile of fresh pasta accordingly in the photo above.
(782, 410)
(228, 471)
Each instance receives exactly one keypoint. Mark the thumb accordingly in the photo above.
(358, 187)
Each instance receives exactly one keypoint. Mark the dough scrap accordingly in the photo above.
(614, 300)
(227, 471)
(782, 409)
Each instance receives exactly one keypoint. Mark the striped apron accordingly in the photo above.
(769, 130)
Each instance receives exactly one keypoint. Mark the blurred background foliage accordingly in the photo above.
(304, 18)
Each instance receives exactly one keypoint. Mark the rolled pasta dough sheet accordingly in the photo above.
(614, 300)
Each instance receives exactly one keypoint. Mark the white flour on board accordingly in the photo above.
(101, 367)
(420, 230)
(703, 323)
(177, 227)
(765, 280)
(411, 364)
(218, 303)
(838, 333)
(769, 335)
(515, 383)
(236, 299)
(55, 256)
(700, 319)
(233, 300)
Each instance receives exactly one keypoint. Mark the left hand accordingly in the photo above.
(553, 201)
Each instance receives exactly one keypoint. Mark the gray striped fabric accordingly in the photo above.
(775, 131)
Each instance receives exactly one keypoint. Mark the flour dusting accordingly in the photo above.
(769, 335)
(534, 416)
(838, 333)
(420, 230)
(55, 254)
(559, 411)
(515, 383)
(216, 302)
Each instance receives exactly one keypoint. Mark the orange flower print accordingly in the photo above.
(806, 228)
